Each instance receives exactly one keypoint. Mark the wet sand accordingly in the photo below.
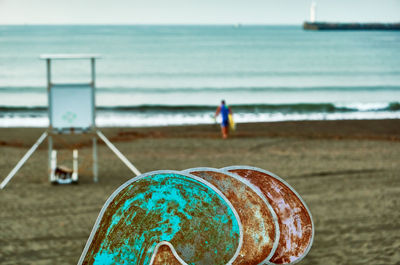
(348, 173)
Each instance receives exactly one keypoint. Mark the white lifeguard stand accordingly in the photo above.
(71, 110)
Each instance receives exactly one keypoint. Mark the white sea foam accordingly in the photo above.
(141, 120)
(364, 106)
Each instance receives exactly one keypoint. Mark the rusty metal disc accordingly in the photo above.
(182, 209)
(259, 221)
(294, 218)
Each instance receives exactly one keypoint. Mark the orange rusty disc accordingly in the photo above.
(294, 218)
(259, 221)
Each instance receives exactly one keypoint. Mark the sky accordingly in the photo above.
(194, 11)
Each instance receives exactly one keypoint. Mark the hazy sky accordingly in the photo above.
(194, 11)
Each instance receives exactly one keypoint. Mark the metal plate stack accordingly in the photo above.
(234, 215)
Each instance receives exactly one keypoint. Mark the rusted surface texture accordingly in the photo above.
(295, 223)
(185, 211)
(259, 223)
(164, 255)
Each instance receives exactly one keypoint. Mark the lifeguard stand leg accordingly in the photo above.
(23, 160)
(74, 166)
(53, 166)
(118, 153)
(50, 148)
(95, 168)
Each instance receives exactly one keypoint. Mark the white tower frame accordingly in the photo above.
(55, 128)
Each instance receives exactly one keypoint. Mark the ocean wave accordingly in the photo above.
(23, 109)
(264, 108)
(394, 106)
(244, 108)
(245, 74)
(250, 108)
(184, 90)
(278, 89)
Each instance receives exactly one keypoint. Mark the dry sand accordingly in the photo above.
(348, 172)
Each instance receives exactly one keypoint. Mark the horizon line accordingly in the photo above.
(151, 24)
(238, 24)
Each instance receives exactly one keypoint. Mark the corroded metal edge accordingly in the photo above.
(166, 243)
(295, 192)
(123, 186)
(259, 193)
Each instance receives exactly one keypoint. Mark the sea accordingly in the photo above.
(151, 75)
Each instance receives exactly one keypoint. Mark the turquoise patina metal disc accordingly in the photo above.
(191, 214)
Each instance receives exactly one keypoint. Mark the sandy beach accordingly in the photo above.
(346, 171)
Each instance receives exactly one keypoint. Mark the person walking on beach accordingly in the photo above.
(224, 111)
